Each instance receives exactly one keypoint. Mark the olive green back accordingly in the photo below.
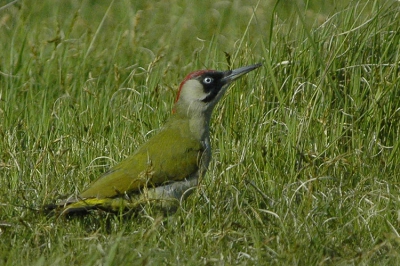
(171, 155)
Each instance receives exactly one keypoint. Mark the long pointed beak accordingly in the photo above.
(232, 75)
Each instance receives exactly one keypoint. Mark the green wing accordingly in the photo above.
(171, 155)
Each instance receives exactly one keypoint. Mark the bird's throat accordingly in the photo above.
(200, 127)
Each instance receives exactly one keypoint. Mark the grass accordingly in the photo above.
(305, 150)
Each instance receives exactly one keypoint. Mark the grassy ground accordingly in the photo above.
(306, 158)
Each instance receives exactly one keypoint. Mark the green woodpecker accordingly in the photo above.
(166, 168)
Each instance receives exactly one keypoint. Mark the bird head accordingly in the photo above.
(202, 89)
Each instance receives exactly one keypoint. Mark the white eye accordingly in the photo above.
(207, 80)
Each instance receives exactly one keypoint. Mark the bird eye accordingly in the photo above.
(207, 80)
